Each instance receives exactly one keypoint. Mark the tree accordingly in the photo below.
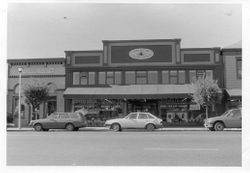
(205, 92)
(35, 95)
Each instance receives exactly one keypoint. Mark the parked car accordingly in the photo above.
(141, 120)
(229, 119)
(68, 121)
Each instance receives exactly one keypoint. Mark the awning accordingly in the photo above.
(234, 93)
(130, 91)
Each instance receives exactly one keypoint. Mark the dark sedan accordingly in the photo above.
(68, 121)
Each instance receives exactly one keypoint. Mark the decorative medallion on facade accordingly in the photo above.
(141, 53)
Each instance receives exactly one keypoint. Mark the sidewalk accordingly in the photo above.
(13, 129)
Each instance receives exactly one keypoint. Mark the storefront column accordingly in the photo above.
(159, 108)
(125, 107)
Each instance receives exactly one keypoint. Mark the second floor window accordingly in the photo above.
(239, 68)
(110, 78)
(130, 77)
(141, 77)
(196, 74)
(83, 78)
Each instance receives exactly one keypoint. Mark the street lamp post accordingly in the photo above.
(20, 69)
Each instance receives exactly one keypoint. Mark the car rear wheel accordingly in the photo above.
(116, 127)
(219, 126)
(150, 127)
(70, 127)
(38, 127)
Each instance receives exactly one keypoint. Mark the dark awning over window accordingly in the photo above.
(130, 91)
(234, 93)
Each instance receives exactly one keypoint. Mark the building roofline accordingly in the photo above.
(83, 51)
(202, 48)
(231, 49)
(140, 40)
(36, 59)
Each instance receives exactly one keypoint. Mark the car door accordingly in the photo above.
(51, 121)
(62, 120)
(130, 121)
(142, 120)
(236, 119)
(233, 119)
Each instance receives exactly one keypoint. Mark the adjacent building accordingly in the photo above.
(46, 71)
(232, 57)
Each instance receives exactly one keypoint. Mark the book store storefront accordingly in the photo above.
(140, 75)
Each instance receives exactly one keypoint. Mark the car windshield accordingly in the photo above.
(53, 116)
(234, 113)
(225, 113)
(131, 116)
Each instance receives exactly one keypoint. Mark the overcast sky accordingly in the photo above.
(46, 30)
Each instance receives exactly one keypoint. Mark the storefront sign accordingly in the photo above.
(141, 53)
(173, 106)
(38, 70)
(194, 107)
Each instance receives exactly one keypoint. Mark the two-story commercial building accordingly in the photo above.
(44, 71)
(140, 75)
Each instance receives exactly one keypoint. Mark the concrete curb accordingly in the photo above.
(107, 129)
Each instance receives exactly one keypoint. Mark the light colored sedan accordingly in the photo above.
(229, 119)
(134, 120)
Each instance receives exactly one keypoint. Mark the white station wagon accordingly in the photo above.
(134, 120)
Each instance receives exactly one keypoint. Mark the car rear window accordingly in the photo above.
(150, 116)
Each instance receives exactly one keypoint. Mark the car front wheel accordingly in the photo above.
(219, 126)
(70, 127)
(38, 127)
(116, 127)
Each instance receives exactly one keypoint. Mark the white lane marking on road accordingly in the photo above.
(182, 149)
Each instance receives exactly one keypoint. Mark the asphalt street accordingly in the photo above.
(126, 148)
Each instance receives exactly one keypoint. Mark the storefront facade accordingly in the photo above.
(140, 75)
(50, 72)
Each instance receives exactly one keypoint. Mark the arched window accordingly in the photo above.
(16, 89)
(52, 88)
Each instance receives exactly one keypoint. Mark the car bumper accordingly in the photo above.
(208, 125)
(107, 125)
(158, 126)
